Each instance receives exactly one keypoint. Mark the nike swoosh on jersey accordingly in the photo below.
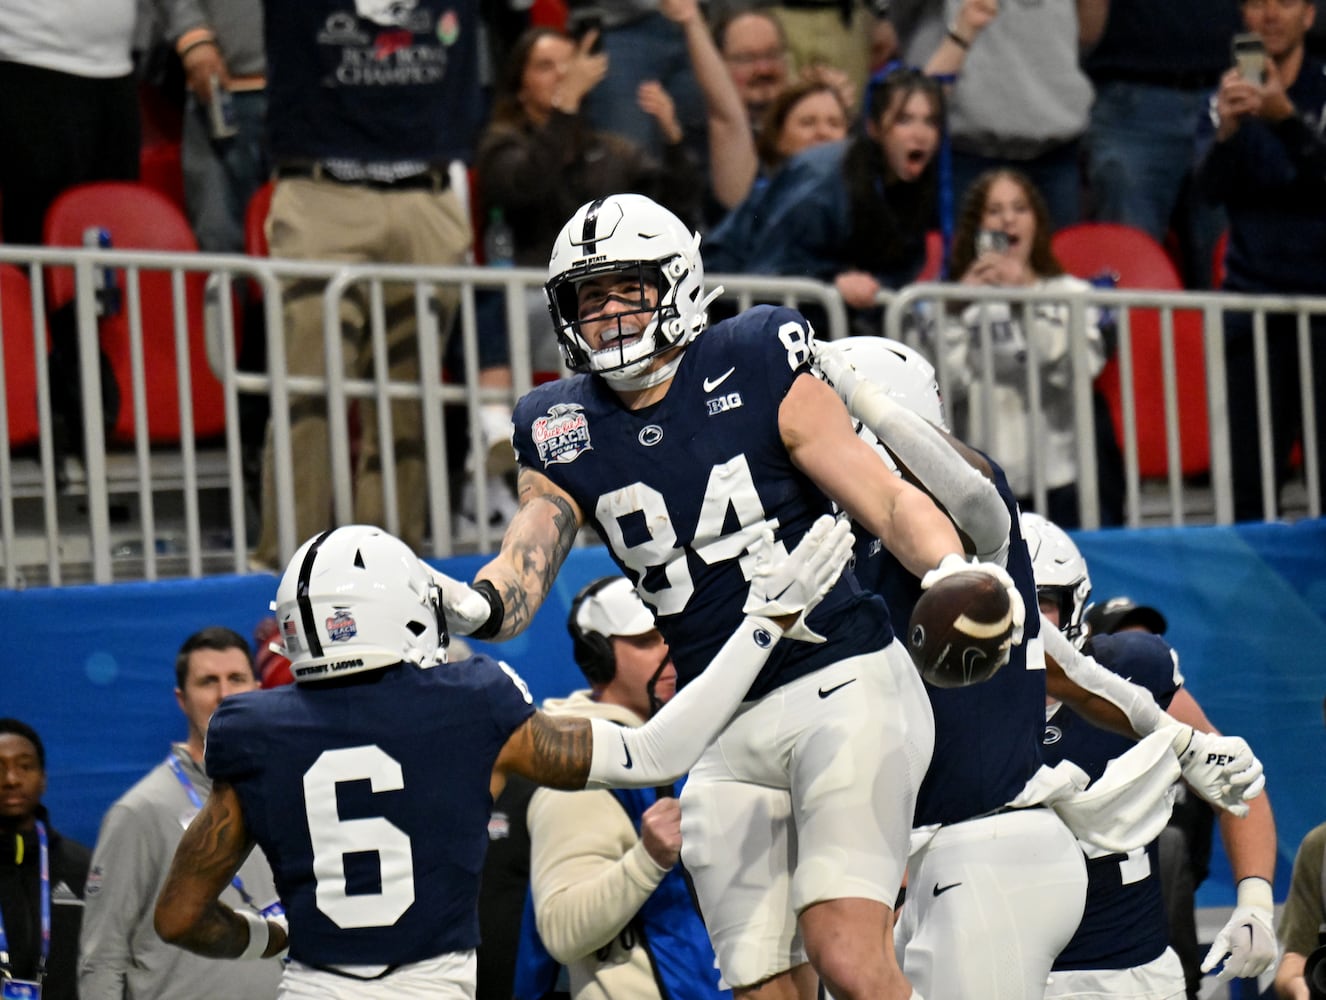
(710, 384)
(825, 692)
(626, 750)
(939, 890)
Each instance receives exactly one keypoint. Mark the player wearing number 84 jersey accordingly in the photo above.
(683, 445)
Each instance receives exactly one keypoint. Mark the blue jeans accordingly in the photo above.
(221, 175)
(1140, 147)
(652, 48)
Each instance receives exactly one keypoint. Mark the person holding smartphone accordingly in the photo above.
(1002, 240)
(1264, 158)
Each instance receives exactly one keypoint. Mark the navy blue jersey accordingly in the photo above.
(987, 735)
(370, 798)
(1124, 924)
(681, 489)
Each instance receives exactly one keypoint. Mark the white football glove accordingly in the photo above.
(955, 563)
(796, 583)
(836, 370)
(466, 609)
(1248, 939)
(1221, 769)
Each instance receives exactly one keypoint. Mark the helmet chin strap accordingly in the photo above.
(624, 380)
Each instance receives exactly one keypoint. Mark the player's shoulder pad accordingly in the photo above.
(234, 734)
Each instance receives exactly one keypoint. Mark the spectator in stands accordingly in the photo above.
(1154, 69)
(539, 159)
(808, 113)
(854, 212)
(610, 900)
(1184, 846)
(1264, 159)
(642, 49)
(364, 115)
(1020, 98)
(41, 874)
(220, 45)
(69, 114)
(755, 50)
(1002, 240)
(122, 958)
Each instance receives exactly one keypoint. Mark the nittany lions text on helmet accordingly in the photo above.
(630, 235)
(356, 598)
(1061, 572)
(900, 371)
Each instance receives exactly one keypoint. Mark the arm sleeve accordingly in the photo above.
(668, 745)
(589, 871)
(121, 893)
(969, 497)
(1136, 702)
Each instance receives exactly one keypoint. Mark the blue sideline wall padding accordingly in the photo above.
(92, 668)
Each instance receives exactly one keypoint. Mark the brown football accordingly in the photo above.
(961, 630)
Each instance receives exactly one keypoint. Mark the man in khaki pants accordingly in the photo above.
(367, 106)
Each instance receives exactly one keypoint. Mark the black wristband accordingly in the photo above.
(958, 40)
(497, 611)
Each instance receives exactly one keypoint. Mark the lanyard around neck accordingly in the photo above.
(44, 859)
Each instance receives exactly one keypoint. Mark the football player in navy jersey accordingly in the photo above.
(971, 846)
(682, 443)
(1121, 947)
(369, 782)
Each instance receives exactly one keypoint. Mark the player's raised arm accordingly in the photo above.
(188, 912)
(907, 418)
(566, 752)
(511, 588)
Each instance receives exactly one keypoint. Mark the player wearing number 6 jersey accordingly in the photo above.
(681, 444)
(369, 782)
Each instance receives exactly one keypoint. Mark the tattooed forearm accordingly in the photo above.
(188, 912)
(560, 751)
(533, 550)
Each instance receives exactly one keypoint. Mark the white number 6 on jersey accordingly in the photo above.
(333, 838)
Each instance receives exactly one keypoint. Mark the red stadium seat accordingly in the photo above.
(20, 356)
(1135, 260)
(140, 218)
(549, 13)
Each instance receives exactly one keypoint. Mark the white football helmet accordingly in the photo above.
(1060, 571)
(356, 598)
(902, 372)
(633, 235)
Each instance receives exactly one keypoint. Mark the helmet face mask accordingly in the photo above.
(1060, 571)
(642, 244)
(355, 599)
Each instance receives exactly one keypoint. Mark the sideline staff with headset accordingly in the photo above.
(610, 900)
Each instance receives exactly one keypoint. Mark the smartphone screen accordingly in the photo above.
(1250, 57)
(991, 241)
